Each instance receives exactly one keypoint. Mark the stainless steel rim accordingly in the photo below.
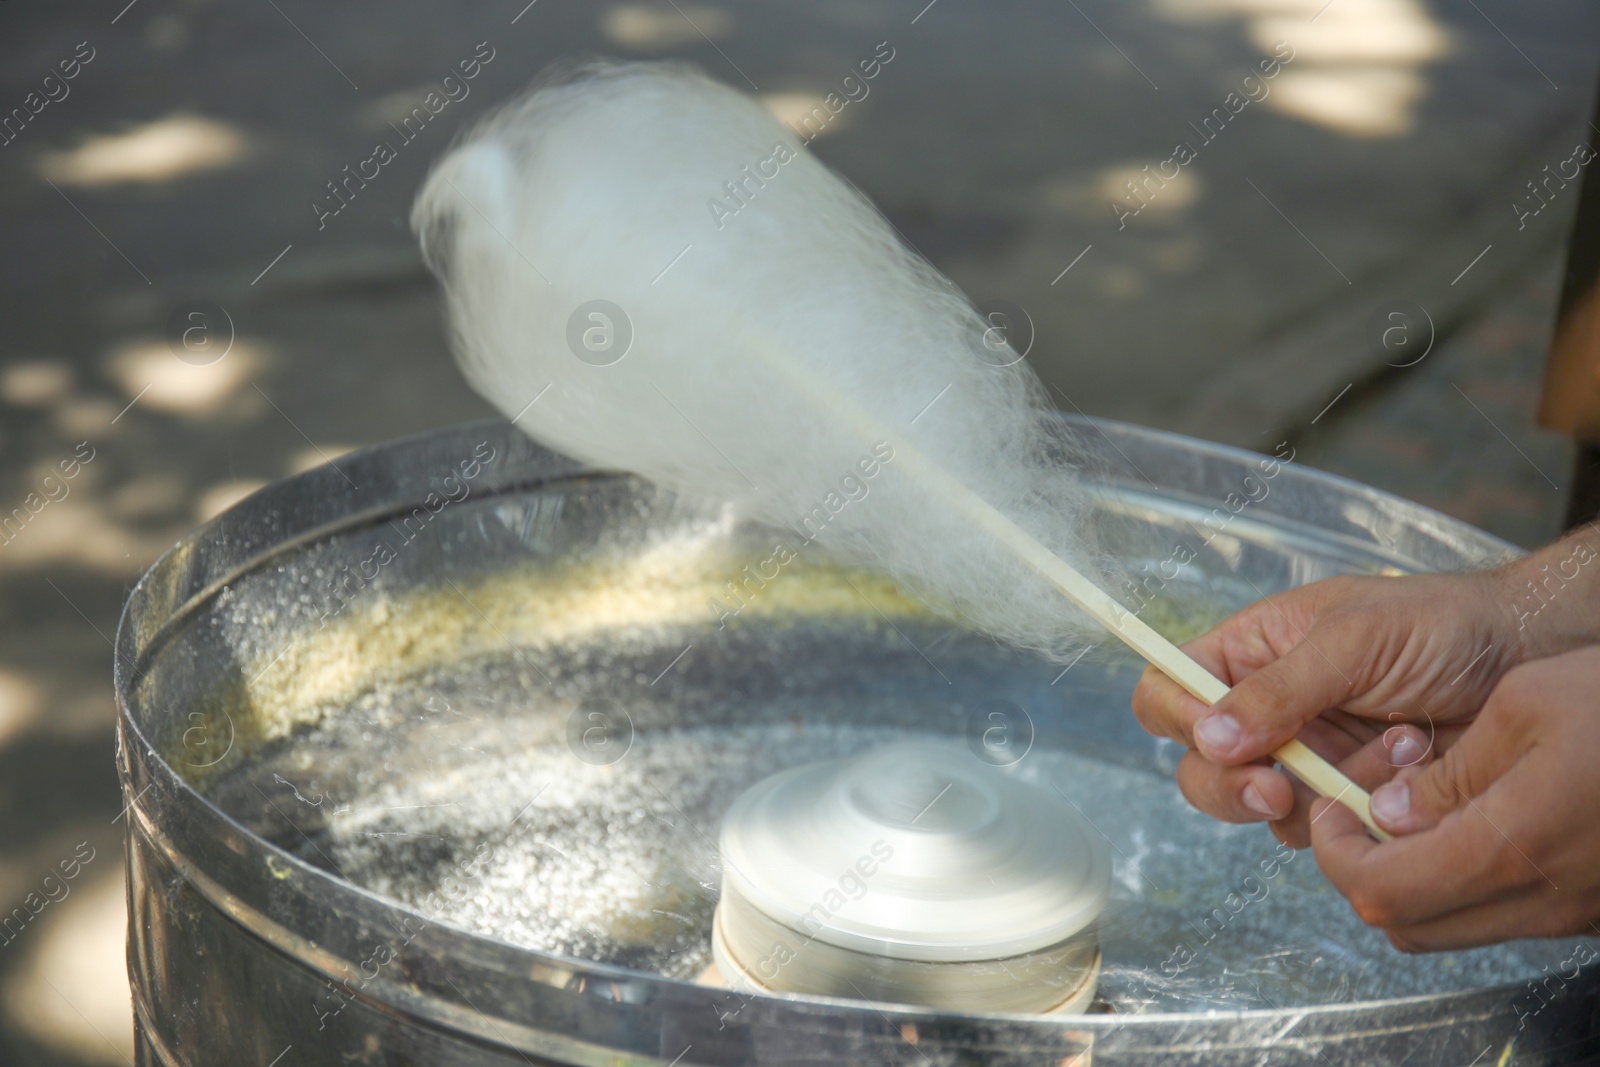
(472, 985)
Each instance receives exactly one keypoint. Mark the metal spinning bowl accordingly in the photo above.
(427, 766)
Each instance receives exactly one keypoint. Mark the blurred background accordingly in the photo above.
(1359, 255)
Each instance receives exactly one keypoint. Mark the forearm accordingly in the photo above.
(1553, 595)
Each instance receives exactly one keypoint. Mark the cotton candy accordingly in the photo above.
(650, 273)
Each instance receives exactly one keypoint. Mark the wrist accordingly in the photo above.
(1548, 599)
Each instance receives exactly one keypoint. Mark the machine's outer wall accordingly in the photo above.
(237, 950)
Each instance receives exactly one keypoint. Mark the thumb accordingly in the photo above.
(1270, 706)
(1420, 797)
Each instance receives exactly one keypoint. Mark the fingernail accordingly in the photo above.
(1407, 751)
(1392, 802)
(1219, 734)
(1255, 801)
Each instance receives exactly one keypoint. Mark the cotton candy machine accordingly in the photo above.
(461, 755)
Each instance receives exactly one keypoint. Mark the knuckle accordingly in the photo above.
(1402, 943)
(1445, 784)
(1341, 586)
(1194, 787)
(1293, 831)
(1204, 786)
(1433, 792)
(1147, 703)
(1371, 909)
(1270, 692)
(1346, 599)
(1158, 708)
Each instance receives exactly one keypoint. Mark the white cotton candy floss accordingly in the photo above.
(793, 357)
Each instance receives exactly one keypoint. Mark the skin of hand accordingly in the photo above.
(1436, 677)
(1496, 837)
(1343, 664)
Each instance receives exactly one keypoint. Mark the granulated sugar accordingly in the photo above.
(617, 861)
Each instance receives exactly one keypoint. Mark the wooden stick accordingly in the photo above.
(1309, 767)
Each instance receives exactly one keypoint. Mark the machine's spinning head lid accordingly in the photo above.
(919, 851)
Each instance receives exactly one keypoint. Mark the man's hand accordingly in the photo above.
(1382, 651)
(1481, 690)
(1497, 837)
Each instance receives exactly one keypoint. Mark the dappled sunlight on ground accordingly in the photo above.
(80, 417)
(159, 151)
(1358, 101)
(1154, 195)
(793, 109)
(218, 498)
(34, 382)
(147, 369)
(1358, 66)
(82, 532)
(21, 701)
(148, 497)
(71, 994)
(660, 27)
(1399, 32)
(315, 456)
